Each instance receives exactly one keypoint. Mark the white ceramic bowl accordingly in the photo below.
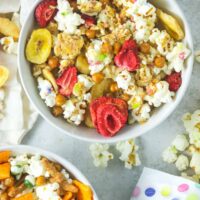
(85, 133)
(21, 149)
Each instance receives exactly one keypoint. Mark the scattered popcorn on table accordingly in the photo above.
(180, 142)
(170, 155)
(182, 163)
(9, 45)
(185, 148)
(100, 154)
(129, 155)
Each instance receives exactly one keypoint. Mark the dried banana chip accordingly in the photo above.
(4, 74)
(171, 24)
(49, 76)
(9, 28)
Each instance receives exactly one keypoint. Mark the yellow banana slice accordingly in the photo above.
(9, 28)
(171, 24)
(49, 76)
(4, 74)
(39, 46)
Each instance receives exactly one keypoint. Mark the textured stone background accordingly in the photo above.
(116, 182)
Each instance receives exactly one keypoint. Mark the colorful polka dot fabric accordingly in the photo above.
(157, 185)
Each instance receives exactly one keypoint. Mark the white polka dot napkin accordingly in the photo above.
(157, 185)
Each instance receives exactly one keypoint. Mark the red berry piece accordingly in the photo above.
(67, 81)
(45, 11)
(130, 45)
(109, 115)
(175, 81)
(89, 21)
(128, 58)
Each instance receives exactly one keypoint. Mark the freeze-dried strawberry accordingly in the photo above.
(89, 21)
(130, 45)
(128, 58)
(119, 103)
(67, 81)
(94, 105)
(108, 120)
(45, 11)
(109, 115)
(175, 81)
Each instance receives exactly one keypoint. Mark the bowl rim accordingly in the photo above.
(72, 169)
(179, 96)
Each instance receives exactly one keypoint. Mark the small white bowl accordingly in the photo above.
(91, 135)
(23, 149)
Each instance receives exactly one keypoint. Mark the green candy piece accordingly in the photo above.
(28, 184)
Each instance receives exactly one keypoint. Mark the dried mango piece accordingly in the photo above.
(171, 24)
(84, 192)
(4, 74)
(9, 28)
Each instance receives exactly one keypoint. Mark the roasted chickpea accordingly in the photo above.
(60, 100)
(12, 192)
(160, 61)
(9, 182)
(90, 33)
(106, 48)
(40, 181)
(57, 111)
(117, 47)
(145, 48)
(97, 77)
(114, 87)
(53, 62)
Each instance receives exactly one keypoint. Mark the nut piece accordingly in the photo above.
(171, 25)
(49, 76)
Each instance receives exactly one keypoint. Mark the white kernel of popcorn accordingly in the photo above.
(143, 114)
(177, 57)
(123, 79)
(170, 155)
(67, 20)
(96, 59)
(197, 56)
(16, 19)
(74, 111)
(192, 126)
(100, 154)
(195, 162)
(86, 80)
(9, 45)
(46, 92)
(129, 155)
(182, 163)
(180, 142)
(163, 41)
(162, 95)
